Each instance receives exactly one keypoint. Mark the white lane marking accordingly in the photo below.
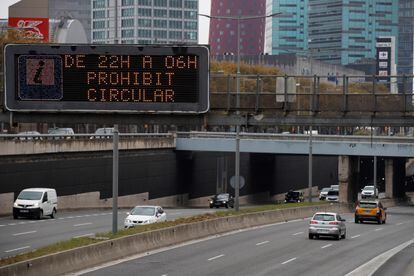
(11, 224)
(20, 248)
(22, 222)
(61, 218)
(2, 225)
(85, 235)
(69, 217)
(87, 215)
(82, 224)
(260, 243)
(24, 233)
(373, 265)
(79, 217)
(32, 221)
(378, 229)
(295, 220)
(288, 261)
(328, 245)
(356, 236)
(400, 223)
(298, 233)
(216, 257)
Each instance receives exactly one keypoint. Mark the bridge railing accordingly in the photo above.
(90, 136)
(313, 94)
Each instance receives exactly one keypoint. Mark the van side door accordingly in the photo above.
(46, 204)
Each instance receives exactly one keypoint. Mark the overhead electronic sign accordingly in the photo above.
(101, 78)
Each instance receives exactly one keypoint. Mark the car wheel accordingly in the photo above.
(379, 221)
(356, 220)
(53, 214)
(227, 206)
(40, 214)
(15, 216)
(211, 206)
(310, 236)
(343, 235)
(338, 237)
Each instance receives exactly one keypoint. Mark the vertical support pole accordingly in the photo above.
(375, 173)
(310, 165)
(237, 157)
(115, 164)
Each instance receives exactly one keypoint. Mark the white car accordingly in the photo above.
(333, 195)
(369, 192)
(324, 193)
(142, 215)
(327, 224)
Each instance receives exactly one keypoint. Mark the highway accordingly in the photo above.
(278, 249)
(24, 235)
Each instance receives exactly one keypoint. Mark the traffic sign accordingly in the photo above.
(102, 78)
(233, 181)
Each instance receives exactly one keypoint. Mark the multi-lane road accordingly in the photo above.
(23, 235)
(279, 249)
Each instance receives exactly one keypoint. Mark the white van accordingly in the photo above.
(35, 202)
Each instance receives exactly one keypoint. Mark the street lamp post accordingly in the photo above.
(237, 150)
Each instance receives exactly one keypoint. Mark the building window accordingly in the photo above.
(98, 4)
(176, 3)
(190, 35)
(99, 24)
(144, 23)
(145, 12)
(127, 12)
(160, 3)
(175, 35)
(190, 15)
(160, 13)
(98, 35)
(158, 23)
(145, 2)
(188, 4)
(176, 24)
(190, 25)
(127, 2)
(127, 22)
(160, 34)
(98, 14)
(127, 33)
(144, 33)
(176, 14)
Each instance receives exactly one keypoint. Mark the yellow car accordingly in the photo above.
(371, 210)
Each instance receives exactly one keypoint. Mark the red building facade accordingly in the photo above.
(223, 32)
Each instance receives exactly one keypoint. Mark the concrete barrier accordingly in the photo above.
(105, 251)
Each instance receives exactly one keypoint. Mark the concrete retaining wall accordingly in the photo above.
(89, 256)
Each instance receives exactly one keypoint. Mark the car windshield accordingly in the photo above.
(324, 217)
(326, 189)
(333, 192)
(368, 205)
(143, 211)
(222, 196)
(58, 131)
(30, 195)
(369, 188)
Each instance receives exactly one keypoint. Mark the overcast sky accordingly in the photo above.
(203, 28)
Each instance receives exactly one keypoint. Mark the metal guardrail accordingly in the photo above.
(90, 136)
(298, 137)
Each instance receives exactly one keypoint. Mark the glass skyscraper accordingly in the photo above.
(288, 32)
(345, 31)
(406, 40)
(145, 21)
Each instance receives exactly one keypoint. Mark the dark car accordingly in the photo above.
(222, 200)
(293, 196)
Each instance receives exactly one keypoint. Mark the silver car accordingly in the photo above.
(327, 224)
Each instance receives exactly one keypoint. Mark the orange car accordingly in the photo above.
(370, 210)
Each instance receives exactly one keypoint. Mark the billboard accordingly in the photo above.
(32, 28)
(385, 61)
(102, 78)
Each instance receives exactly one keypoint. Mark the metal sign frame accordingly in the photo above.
(10, 66)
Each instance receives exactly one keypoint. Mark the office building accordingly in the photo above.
(223, 32)
(288, 32)
(344, 32)
(405, 61)
(145, 21)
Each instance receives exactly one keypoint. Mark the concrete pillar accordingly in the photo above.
(343, 178)
(389, 178)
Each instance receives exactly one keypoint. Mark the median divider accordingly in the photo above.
(109, 250)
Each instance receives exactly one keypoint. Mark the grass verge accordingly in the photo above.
(83, 241)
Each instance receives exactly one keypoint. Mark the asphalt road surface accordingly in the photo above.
(279, 249)
(23, 235)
